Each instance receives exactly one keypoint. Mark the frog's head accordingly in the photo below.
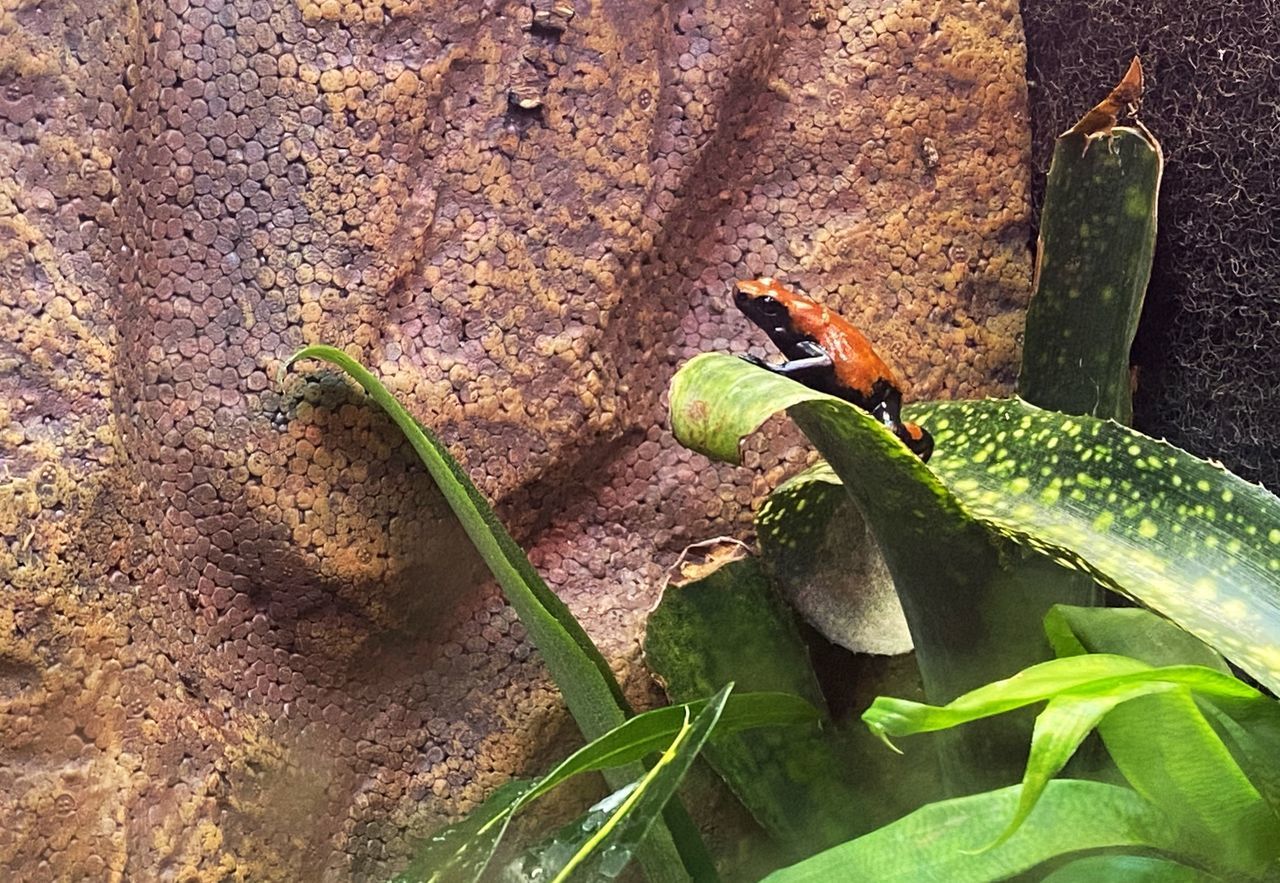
(769, 305)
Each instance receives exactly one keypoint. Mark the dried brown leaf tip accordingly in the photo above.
(1101, 120)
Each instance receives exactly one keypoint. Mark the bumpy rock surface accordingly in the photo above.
(1209, 366)
(240, 638)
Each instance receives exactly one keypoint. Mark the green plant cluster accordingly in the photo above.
(996, 549)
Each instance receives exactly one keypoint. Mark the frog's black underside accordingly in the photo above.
(884, 401)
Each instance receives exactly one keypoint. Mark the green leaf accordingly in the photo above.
(654, 731)
(943, 841)
(1129, 868)
(1251, 729)
(1065, 722)
(461, 851)
(1127, 631)
(1092, 674)
(579, 670)
(1171, 755)
(1203, 758)
(960, 586)
(601, 848)
(1097, 238)
(1182, 536)
(729, 627)
(1161, 743)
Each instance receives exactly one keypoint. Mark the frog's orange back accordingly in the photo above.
(857, 365)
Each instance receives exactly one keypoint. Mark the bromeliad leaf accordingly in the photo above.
(810, 787)
(1129, 631)
(960, 584)
(1097, 238)
(1183, 536)
(822, 558)
(1178, 534)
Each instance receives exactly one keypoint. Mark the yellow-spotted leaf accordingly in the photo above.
(1178, 534)
(1097, 238)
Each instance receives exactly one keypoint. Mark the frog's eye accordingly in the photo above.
(771, 307)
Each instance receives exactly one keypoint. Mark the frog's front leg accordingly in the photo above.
(813, 363)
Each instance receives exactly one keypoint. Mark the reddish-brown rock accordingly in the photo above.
(239, 636)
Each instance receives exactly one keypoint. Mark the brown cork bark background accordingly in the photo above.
(240, 637)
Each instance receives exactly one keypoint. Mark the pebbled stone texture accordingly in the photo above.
(1206, 348)
(240, 638)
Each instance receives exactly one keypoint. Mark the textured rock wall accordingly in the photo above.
(240, 639)
(1209, 366)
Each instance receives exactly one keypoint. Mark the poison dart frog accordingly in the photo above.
(825, 352)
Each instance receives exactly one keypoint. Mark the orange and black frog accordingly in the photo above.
(825, 352)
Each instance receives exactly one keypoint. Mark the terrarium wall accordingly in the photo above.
(238, 638)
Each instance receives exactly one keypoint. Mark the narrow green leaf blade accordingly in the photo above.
(601, 850)
(1094, 673)
(1153, 731)
(460, 852)
(579, 670)
(1065, 722)
(888, 717)
(653, 731)
(943, 841)
(1097, 238)
(1218, 782)
(1251, 729)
